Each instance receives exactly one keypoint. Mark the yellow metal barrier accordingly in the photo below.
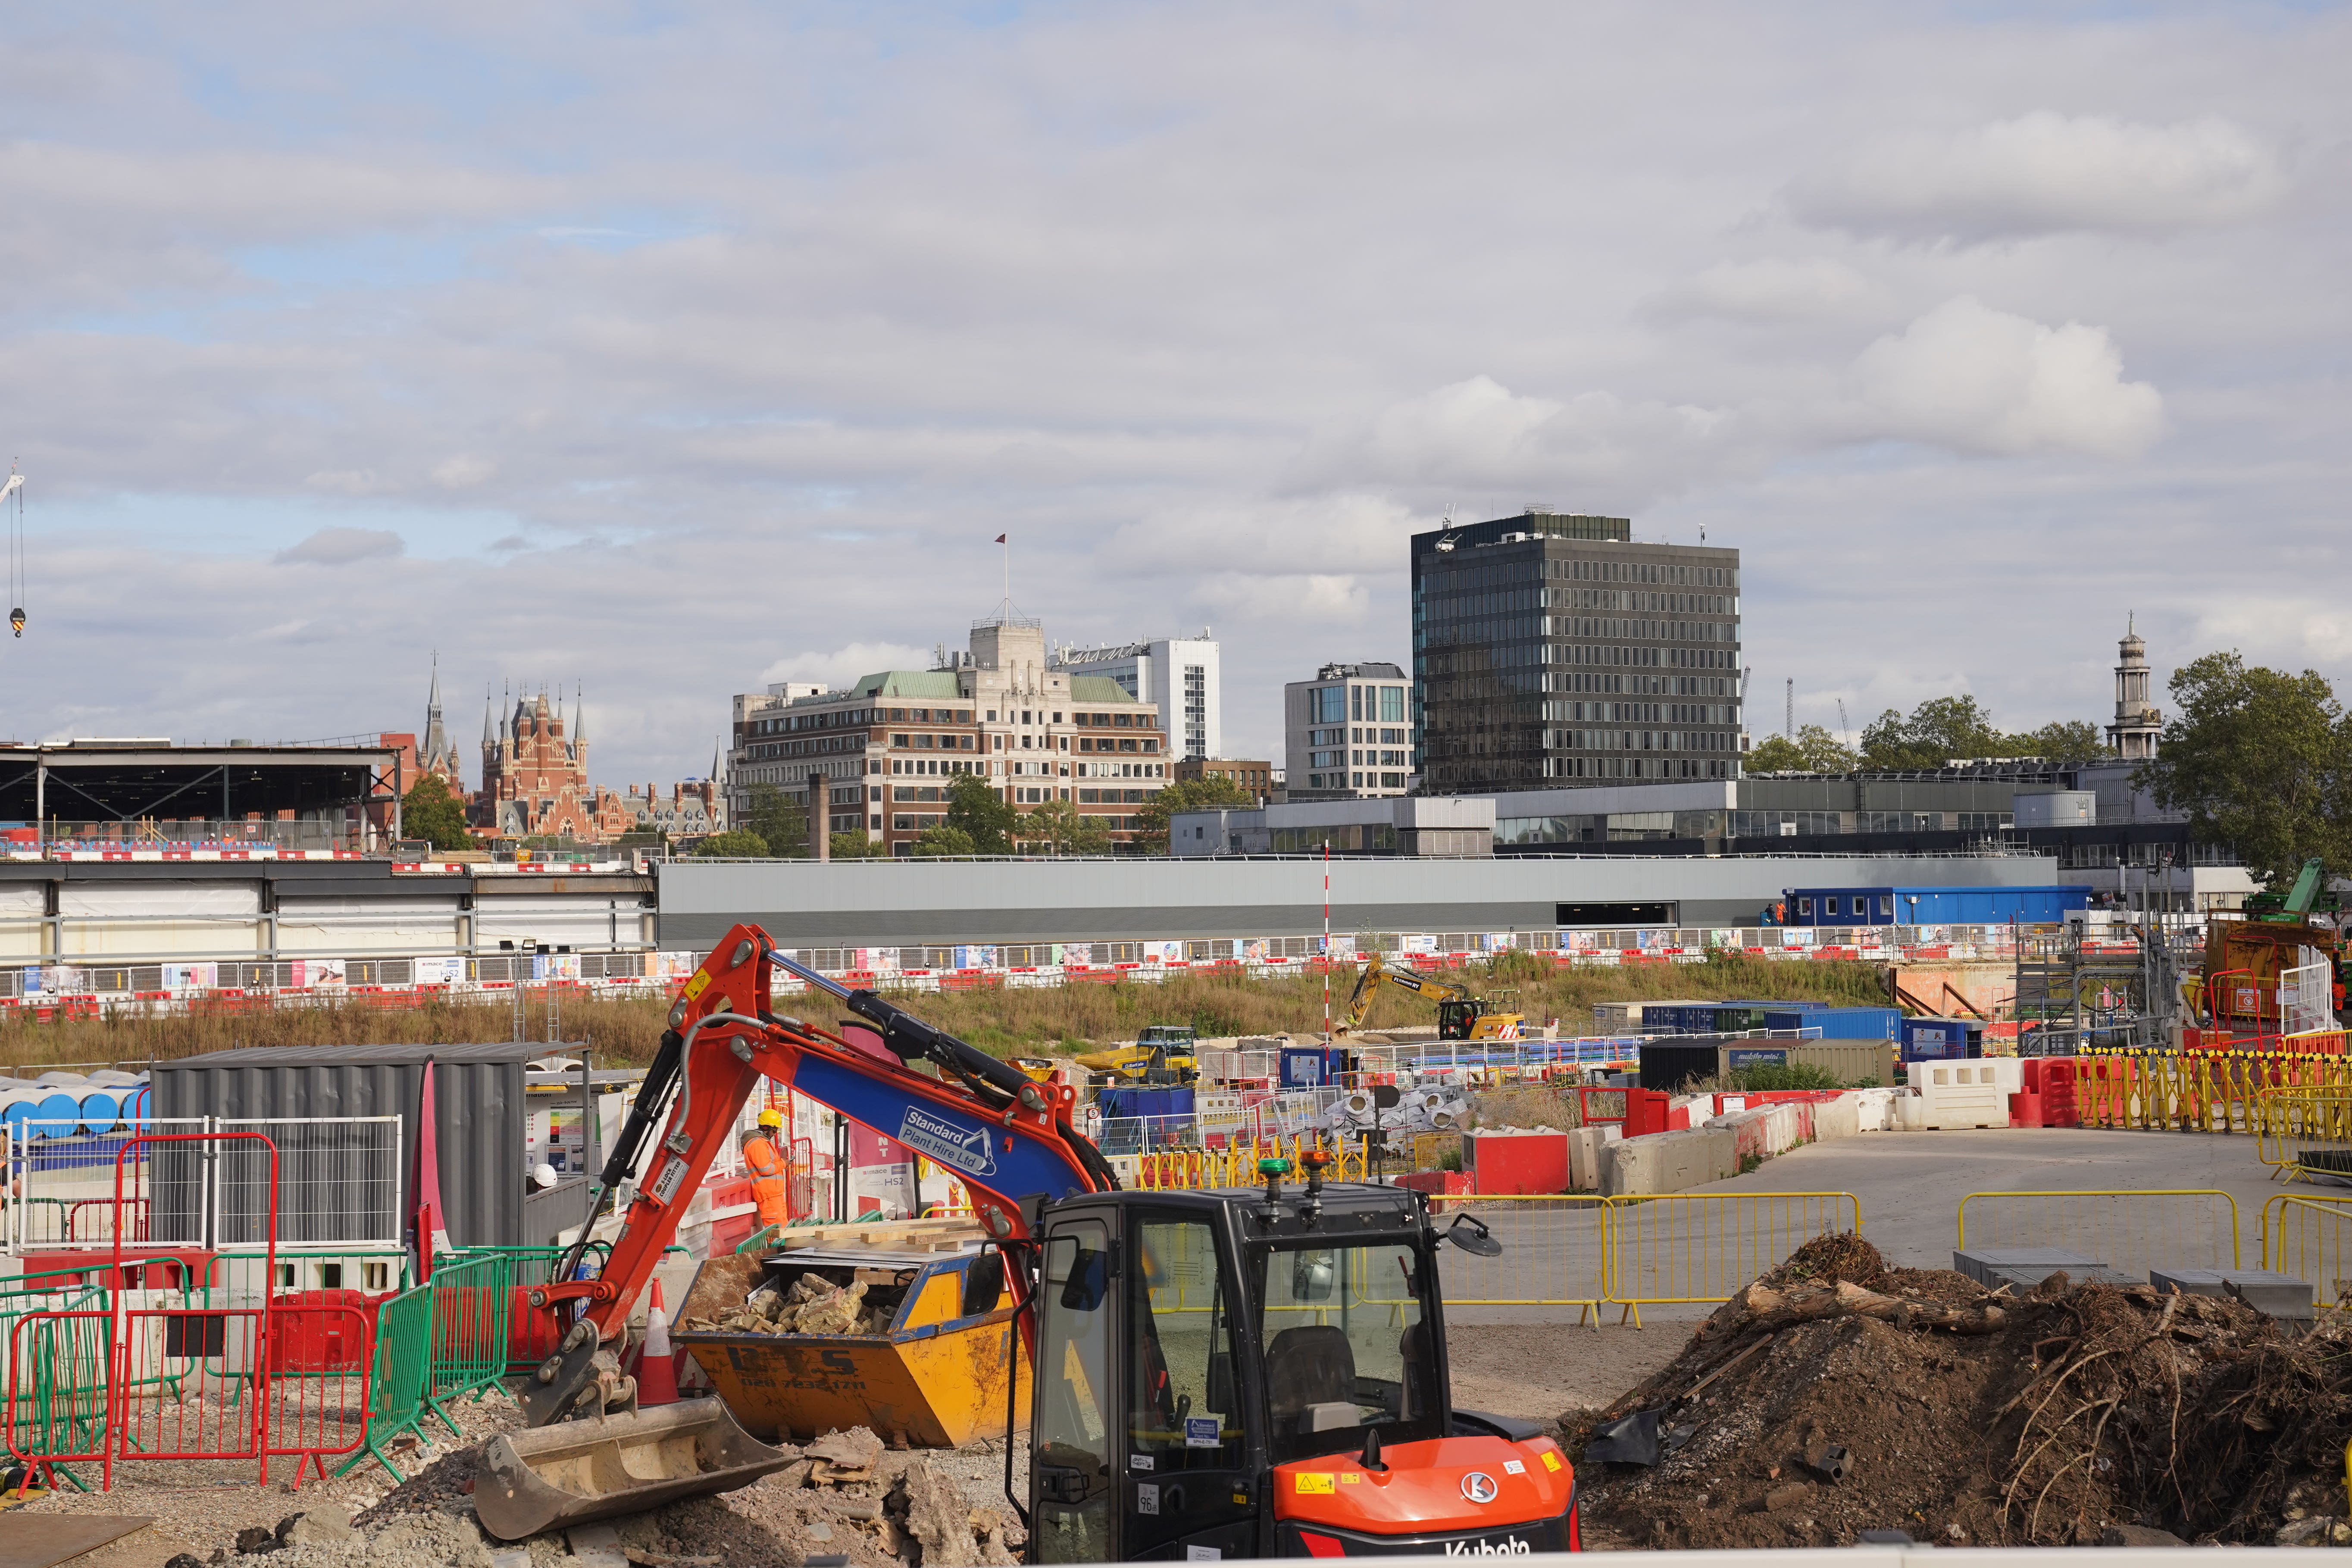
(2310, 1236)
(1555, 1252)
(2127, 1230)
(2305, 1129)
(1702, 1247)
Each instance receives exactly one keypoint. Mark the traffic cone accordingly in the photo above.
(657, 1372)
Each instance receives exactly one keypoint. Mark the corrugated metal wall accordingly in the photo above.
(477, 1095)
(843, 903)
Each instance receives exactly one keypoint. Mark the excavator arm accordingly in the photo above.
(1007, 1137)
(1377, 973)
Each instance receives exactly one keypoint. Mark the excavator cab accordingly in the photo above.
(1238, 1373)
(1457, 1018)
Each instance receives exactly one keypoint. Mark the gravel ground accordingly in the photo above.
(955, 1499)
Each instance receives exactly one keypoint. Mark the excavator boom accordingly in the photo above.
(1376, 972)
(1007, 1137)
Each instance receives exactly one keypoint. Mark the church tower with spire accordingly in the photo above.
(2133, 734)
(437, 754)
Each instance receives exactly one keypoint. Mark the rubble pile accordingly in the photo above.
(846, 1494)
(812, 1306)
(1836, 1395)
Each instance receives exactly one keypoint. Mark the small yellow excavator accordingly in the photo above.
(1161, 1054)
(1460, 1014)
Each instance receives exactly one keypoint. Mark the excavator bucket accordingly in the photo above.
(573, 1471)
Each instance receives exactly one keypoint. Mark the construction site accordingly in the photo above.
(2025, 1238)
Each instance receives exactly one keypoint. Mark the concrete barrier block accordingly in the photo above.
(1668, 1161)
(1585, 1146)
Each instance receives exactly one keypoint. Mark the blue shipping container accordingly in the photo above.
(1841, 1022)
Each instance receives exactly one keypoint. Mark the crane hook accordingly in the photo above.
(17, 621)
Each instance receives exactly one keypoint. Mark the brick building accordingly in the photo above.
(889, 748)
(535, 778)
(690, 810)
(1254, 776)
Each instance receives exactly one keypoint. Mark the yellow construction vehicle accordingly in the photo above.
(1161, 1054)
(1460, 1014)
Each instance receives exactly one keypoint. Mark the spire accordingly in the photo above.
(433, 699)
(579, 716)
(489, 737)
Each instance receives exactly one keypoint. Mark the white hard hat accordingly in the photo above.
(542, 1175)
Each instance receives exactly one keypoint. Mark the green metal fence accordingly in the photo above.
(55, 1353)
(402, 1377)
(473, 1293)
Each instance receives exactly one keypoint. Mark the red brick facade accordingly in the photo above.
(535, 780)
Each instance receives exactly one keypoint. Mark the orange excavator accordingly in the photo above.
(1249, 1371)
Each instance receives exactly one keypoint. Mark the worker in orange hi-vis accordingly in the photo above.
(767, 1169)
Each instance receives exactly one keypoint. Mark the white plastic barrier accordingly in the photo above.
(1967, 1093)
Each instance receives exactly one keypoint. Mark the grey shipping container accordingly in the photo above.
(1670, 1064)
(477, 1093)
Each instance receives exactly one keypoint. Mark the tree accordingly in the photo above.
(1814, 750)
(779, 819)
(1937, 731)
(735, 843)
(1185, 795)
(942, 840)
(981, 814)
(428, 811)
(1057, 827)
(2261, 761)
(856, 847)
(2067, 742)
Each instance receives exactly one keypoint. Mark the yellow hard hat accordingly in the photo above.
(772, 1119)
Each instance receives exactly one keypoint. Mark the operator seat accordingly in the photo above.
(1309, 1371)
(1413, 1396)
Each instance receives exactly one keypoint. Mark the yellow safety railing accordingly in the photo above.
(2303, 1129)
(1555, 1254)
(2117, 1226)
(1702, 1247)
(2195, 1091)
(2310, 1236)
(1235, 1165)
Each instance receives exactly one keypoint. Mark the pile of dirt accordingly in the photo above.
(2074, 1414)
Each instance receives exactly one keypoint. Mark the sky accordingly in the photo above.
(661, 352)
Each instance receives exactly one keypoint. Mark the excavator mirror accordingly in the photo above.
(1477, 1241)
(1313, 1275)
(983, 1284)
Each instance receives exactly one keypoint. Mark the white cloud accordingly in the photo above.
(1479, 433)
(838, 667)
(1313, 598)
(341, 547)
(461, 472)
(1770, 290)
(2046, 173)
(1975, 379)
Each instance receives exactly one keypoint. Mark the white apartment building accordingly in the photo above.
(1347, 734)
(888, 748)
(1177, 675)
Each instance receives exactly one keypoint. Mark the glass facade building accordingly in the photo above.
(1551, 649)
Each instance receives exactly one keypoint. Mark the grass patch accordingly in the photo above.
(1045, 1020)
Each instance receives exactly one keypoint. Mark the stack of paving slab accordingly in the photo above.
(2022, 1269)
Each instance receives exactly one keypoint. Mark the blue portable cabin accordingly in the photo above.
(1838, 1022)
(1313, 1067)
(1941, 1039)
(1908, 906)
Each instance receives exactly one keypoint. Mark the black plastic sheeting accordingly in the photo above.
(478, 1094)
